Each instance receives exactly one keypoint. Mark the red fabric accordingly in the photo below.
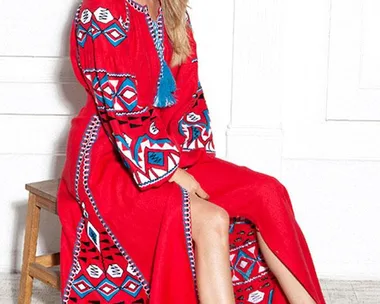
(126, 233)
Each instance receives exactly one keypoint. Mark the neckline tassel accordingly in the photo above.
(166, 84)
(166, 88)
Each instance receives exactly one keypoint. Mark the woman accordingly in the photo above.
(149, 214)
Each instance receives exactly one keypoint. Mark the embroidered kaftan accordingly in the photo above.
(126, 231)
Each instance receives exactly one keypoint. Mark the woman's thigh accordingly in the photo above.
(242, 191)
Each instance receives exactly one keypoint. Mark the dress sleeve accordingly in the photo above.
(194, 123)
(101, 54)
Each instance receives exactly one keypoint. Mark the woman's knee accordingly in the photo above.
(208, 219)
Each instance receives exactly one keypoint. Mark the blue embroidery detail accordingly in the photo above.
(114, 34)
(99, 94)
(156, 158)
(107, 289)
(270, 299)
(83, 281)
(82, 34)
(129, 280)
(123, 141)
(127, 84)
(115, 93)
(166, 84)
(94, 30)
(93, 235)
(154, 141)
(247, 272)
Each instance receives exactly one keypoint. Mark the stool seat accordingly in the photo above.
(46, 192)
(42, 194)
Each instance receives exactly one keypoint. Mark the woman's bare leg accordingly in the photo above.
(294, 291)
(210, 224)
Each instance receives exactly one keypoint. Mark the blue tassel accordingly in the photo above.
(166, 88)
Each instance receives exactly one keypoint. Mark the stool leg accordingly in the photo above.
(30, 247)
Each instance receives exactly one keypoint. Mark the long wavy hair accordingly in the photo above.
(174, 12)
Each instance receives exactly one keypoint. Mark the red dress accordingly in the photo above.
(126, 234)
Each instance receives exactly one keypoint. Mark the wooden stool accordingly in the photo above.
(41, 195)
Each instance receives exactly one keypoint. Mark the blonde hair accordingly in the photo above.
(176, 25)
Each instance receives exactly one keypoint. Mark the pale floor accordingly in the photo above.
(336, 292)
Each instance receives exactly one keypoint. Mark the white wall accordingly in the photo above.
(38, 96)
(331, 127)
(281, 80)
(306, 108)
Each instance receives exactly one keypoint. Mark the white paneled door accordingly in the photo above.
(306, 108)
(331, 131)
(332, 100)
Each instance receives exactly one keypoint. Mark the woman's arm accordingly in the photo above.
(100, 52)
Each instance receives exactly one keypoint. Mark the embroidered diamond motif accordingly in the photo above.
(82, 35)
(82, 286)
(95, 30)
(93, 234)
(129, 93)
(108, 90)
(131, 286)
(114, 34)
(244, 264)
(106, 94)
(107, 289)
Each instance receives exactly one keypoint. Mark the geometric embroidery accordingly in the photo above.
(244, 264)
(131, 286)
(252, 279)
(94, 30)
(82, 286)
(114, 271)
(115, 92)
(152, 158)
(101, 268)
(148, 153)
(107, 289)
(197, 131)
(256, 296)
(195, 126)
(103, 15)
(82, 34)
(86, 16)
(93, 234)
(94, 271)
(114, 33)
(156, 158)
